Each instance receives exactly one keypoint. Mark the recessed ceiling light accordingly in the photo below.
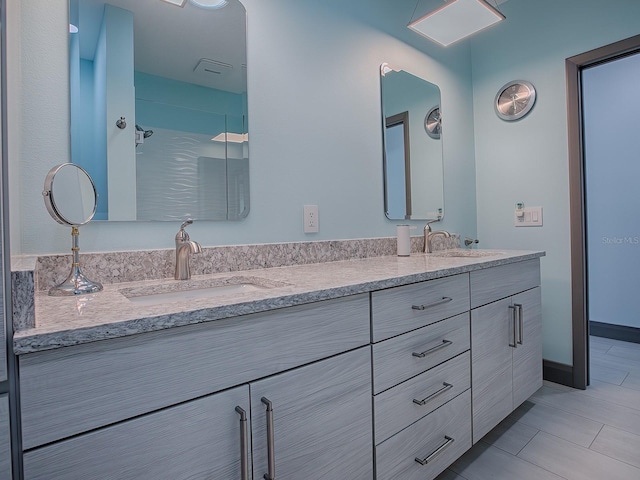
(455, 20)
(179, 3)
(213, 4)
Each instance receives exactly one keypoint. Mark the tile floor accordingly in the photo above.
(565, 433)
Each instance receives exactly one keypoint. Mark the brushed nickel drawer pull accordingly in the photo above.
(447, 441)
(520, 323)
(244, 446)
(445, 386)
(439, 302)
(270, 441)
(445, 343)
(514, 319)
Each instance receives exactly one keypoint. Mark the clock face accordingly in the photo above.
(433, 123)
(515, 100)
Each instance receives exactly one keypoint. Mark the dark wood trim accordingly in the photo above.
(558, 373)
(616, 332)
(403, 119)
(579, 300)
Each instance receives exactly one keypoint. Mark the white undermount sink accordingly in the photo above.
(180, 291)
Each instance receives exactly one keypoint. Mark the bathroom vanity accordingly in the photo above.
(385, 367)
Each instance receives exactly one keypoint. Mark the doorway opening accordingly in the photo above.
(577, 188)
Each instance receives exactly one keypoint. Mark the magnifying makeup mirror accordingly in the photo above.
(71, 199)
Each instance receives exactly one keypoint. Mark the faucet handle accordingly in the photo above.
(182, 235)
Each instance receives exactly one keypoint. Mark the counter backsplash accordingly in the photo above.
(43, 272)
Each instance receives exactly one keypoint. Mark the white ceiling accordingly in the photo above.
(169, 41)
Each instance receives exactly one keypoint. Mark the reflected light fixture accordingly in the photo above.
(212, 4)
(231, 137)
(455, 20)
(178, 3)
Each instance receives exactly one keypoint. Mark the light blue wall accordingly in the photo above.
(527, 160)
(612, 170)
(314, 120)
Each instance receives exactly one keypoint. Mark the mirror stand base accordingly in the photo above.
(75, 284)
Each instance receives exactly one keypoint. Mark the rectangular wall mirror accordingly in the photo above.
(412, 140)
(159, 108)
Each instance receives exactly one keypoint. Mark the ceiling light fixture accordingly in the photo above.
(178, 3)
(212, 4)
(455, 20)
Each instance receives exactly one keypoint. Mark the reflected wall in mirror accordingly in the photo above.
(178, 77)
(412, 158)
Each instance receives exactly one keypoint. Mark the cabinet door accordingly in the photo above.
(321, 421)
(5, 438)
(492, 332)
(527, 357)
(200, 439)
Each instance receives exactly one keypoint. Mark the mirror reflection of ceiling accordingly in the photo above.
(165, 44)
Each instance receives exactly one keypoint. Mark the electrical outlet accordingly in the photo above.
(310, 219)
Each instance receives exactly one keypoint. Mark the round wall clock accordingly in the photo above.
(515, 100)
(433, 122)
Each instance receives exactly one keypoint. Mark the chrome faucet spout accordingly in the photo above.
(184, 248)
(428, 235)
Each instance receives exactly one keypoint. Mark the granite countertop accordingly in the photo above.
(66, 321)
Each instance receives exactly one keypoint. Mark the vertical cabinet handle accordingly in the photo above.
(514, 319)
(423, 461)
(271, 475)
(520, 323)
(244, 446)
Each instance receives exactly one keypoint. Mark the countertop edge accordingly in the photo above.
(32, 341)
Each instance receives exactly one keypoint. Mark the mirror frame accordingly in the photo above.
(227, 201)
(417, 125)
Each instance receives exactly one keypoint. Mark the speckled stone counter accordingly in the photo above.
(66, 321)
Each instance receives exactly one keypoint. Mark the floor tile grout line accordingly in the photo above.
(593, 451)
(596, 437)
(534, 464)
(563, 438)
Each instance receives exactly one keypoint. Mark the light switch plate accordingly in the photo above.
(532, 217)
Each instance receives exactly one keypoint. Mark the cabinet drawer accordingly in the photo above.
(396, 408)
(500, 282)
(75, 389)
(400, 309)
(200, 439)
(394, 360)
(396, 457)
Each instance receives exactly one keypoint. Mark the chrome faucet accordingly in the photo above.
(428, 235)
(184, 247)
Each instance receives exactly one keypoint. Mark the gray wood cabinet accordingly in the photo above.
(506, 345)
(421, 376)
(5, 438)
(174, 395)
(316, 419)
(200, 439)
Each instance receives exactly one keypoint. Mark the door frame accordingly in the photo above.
(579, 299)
